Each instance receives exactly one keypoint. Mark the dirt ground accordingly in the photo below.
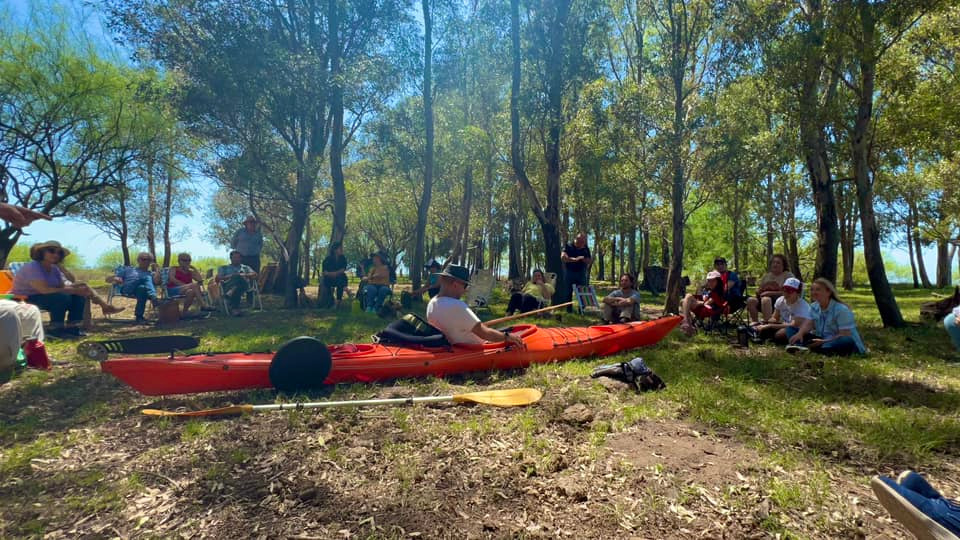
(557, 469)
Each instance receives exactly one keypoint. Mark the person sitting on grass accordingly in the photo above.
(623, 304)
(432, 286)
(459, 324)
(770, 289)
(47, 284)
(712, 303)
(378, 283)
(835, 330)
(185, 280)
(535, 294)
(912, 501)
(234, 280)
(790, 321)
(950, 323)
(139, 282)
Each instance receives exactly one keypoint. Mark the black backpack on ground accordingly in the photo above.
(635, 373)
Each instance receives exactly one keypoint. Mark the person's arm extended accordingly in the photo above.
(804, 325)
(486, 333)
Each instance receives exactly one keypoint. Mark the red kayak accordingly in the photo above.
(349, 363)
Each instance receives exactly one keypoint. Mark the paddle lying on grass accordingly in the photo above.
(527, 313)
(514, 397)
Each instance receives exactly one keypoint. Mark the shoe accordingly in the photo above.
(75, 331)
(797, 349)
(624, 320)
(111, 310)
(913, 518)
(207, 308)
(237, 312)
(140, 320)
(688, 329)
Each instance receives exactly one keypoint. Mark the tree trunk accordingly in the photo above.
(882, 292)
(664, 248)
(549, 217)
(944, 277)
(918, 247)
(461, 239)
(338, 228)
(768, 217)
(151, 228)
(8, 239)
(814, 146)
(790, 238)
(631, 228)
(910, 250)
(424, 207)
(167, 210)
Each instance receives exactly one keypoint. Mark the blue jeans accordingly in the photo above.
(928, 500)
(842, 346)
(60, 306)
(143, 289)
(950, 323)
(376, 295)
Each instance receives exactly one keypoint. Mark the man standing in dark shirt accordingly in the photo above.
(576, 262)
(334, 270)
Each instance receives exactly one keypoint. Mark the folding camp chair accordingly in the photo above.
(480, 290)
(586, 299)
(216, 294)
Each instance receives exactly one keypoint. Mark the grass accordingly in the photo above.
(896, 407)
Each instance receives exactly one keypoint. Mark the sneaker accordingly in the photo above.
(75, 331)
(140, 320)
(914, 482)
(688, 329)
(624, 320)
(111, 310)
(797, 349)
(922, 525)
(207, 308)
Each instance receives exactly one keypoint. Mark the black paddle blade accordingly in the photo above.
(302, 363)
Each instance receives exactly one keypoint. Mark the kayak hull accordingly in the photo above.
(363, 363)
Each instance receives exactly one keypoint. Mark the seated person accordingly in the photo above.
(770, 289)
(711, 303)
(733, 286)
(835, 330)
(233, 280)
(139, 282)
(47, 284)
(185, 280)
(535, 295)
(459, 324)
(432, 286)
(791, 316)
(20, 327)
(623, 304)
(950, 323)
(333, 276)
(378, 283)
(913, 502)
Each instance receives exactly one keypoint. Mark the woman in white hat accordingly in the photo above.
(47, 284)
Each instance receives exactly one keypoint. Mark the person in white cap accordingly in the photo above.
(711, 303)
(791, 320)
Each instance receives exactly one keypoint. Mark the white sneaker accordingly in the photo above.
(797, 349)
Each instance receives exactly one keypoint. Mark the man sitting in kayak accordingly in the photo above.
(447, 313)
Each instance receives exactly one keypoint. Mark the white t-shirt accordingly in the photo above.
(799, 309)
(454, 318)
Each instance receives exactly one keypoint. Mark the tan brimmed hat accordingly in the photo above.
(44, 245)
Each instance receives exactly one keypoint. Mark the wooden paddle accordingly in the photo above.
(499, 398)
(527, 313)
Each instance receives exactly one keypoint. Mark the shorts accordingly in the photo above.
(704, 311)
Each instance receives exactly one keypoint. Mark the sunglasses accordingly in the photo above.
(148, 259)
(58, 251)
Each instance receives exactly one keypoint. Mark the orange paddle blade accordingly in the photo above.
(515, 397)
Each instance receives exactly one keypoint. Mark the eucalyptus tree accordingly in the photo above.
(561, 51)
(258, 74)
(70, 121)
(687, 38)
